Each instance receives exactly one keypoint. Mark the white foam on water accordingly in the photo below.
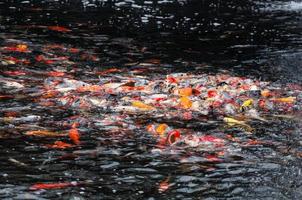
(295, 6)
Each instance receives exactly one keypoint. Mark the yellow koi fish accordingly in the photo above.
(141, 105)
(234, 122)
(246, 104)
(160, 129)
(185, 102)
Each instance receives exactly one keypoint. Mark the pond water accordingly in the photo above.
(76, 66)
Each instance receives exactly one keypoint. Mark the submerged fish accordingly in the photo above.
(142, 106)
(44, 133)
(233, 122)
(49, 186)
(74, 134)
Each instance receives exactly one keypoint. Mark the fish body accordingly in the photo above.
(289, 100)
(48, 186)
(11, 84)
(233, 122)
(44, 133)
(185, 102)
(142, 106)
(74, 134)
(246, 104)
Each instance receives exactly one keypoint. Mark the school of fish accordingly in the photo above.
(126, 99)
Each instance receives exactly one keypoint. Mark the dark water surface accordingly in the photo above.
(258, 40)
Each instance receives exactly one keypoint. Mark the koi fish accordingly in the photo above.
(265, 93)
(171, 79)
(166, 134)
(17, 162)
(153, 61)
(74, 134)
(18, 48)
(108, 71)
(59, 29)
(50, 94)
(55, 74)
(185, 92)
(246, 104)
(6, 97)
(48, 186)
(44, 133)
(160, 129)
(212, 158)
(173, 136)
(187, 116)
(233, 122)
(185, 102)
(15, 73)
(22, 47)
(212, 93)
(141, 105)
(74, 50)
(11, 84)
(289, 100)
(59, 145)
(164, 185)
(210, 138)
(12, 61)
(89, 88)
(41, 58)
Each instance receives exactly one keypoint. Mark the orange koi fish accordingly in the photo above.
(59, 29)
(74, 134)
(167, 136)
(89, 88)
(108, 71)
(59, 145)
(164, 185)
(50, 94)
(44, 133)
(160, 129)
(185, 102)
(55, 74)
(74, 50)
(265, 93)
(285, 100)
(153, 61)
(18, 48)
(185, 92)
(141, 105)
